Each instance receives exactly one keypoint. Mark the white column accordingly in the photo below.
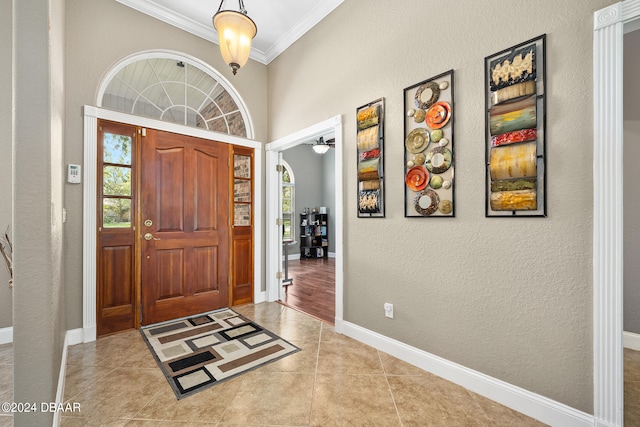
(608, 216)
(89, 180)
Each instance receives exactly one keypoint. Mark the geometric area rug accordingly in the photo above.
(198, 352)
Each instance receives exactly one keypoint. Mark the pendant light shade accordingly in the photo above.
(235, 32)
(320, 149)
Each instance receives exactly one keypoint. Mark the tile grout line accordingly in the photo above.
(144, 405)
(91, 382)
(315, 374)
(241, 377)
(133, 417)
(386, 378)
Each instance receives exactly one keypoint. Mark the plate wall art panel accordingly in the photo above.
(429, 185)
(515, 139)
(370, 141)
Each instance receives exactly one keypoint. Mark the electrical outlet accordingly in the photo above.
(388, 310)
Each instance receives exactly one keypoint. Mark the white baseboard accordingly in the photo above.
(259, 297)
(631, 340)
(87, 334)
(6, 335)
(531, 404)
(72, 337)
(75, 336)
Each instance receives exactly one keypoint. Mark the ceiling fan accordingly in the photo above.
(321, 146)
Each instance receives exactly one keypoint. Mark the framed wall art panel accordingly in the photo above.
(515, 139)
(370, 141)
(429, 185)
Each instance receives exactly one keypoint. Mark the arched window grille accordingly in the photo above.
(175, 88)
(288, 202)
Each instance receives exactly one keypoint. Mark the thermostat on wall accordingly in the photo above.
(73, 174)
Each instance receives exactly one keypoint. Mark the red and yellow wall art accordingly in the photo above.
(515, 139)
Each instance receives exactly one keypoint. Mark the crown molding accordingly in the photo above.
(316, 15)
(153, 9)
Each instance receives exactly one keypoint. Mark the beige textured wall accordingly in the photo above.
(6, 294)
(511, 298)
(38, 303)
(631, 189)
(99, 34)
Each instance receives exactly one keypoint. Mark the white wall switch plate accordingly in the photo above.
(388, 310)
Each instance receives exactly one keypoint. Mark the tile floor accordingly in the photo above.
(631, 387)
(334, 381)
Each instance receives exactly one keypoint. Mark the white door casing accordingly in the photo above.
(273, 236)
(610, 24)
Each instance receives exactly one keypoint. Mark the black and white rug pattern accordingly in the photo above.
(201, 351)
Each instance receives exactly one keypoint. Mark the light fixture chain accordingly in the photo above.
(220, 7)
(240, 7)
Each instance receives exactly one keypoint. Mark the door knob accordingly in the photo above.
(149, 236)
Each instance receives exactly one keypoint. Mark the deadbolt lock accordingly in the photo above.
(148, 223)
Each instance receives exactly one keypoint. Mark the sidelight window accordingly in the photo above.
(242, 190)
(116, 180)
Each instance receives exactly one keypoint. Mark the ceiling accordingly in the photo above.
(280, 22)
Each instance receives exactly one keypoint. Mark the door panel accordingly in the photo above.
(117, 274)
(206, 170)
(169, 187)
(206, 269)
(242, 262)
(185, 195)
(169, 273)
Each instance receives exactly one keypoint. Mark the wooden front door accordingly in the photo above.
(184, 230)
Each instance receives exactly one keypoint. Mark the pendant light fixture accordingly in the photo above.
(235, 32)
(320, 146)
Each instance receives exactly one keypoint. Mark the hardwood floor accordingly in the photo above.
(313, 290)
(631, 387)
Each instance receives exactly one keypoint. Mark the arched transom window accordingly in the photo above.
(175, 88)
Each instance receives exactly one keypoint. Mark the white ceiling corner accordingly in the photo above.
(280, 22)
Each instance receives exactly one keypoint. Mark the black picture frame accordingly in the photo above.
(370, 159)
(429, 156)
(515, 139)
